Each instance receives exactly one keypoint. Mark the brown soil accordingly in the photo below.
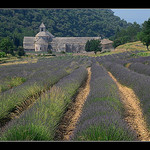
(72, 115)
(133, 112)
(128, 65)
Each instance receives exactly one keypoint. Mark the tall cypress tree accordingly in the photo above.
(144, 35)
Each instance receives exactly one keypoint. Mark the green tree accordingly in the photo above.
(93, 45)
(126, 35)
(2, 54)
(87, 46)
(144, 35)
(20, 51)
(17, 23)
(116, 43)
(7, 46)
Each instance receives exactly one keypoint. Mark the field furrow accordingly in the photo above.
(133, 112)
(70, 118)
(101, 117)
(15, 99)
(41, 120)
(76, 98)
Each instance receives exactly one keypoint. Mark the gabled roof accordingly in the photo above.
(28, 39)
(42, 34)
(51, 35)
(106, 41)
(41, 41)
(80, 40)
(28, 42)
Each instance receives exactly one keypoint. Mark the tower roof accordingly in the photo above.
(51, 35)
(42, 25)
(41, 41)
(44, 34)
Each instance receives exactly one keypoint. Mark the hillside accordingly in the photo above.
(17, 23)
(131, 46)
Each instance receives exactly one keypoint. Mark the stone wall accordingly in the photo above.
(59, 44)
(70, 44)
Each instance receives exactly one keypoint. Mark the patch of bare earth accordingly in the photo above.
(133, 111)
(72, 115)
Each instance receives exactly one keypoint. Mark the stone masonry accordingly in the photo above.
(44, 41)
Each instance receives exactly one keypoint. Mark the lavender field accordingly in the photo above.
(34, 97)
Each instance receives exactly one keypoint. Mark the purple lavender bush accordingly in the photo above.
(40, 121)
(140, 68)
(102, 114)
(138, 82)
(45, 76)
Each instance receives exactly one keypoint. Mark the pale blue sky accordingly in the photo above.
(133, 15)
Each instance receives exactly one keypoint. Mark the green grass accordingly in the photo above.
(143, 54)
(100, 133)
(41, 124)
(9, 102)
(11, 82)
(28, 133)
(131, 46)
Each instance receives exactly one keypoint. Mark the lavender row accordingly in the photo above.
(41, 121)
(41, 81)
(138, 82)
(120, 56)
(139, 59)
(140, 68)
(13, 75)
(102, 114)
(39, 72)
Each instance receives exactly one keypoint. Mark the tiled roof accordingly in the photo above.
(106, 41)
(28, 39)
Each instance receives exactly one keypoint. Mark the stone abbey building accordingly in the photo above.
(44, 40)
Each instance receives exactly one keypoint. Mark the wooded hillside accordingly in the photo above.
(17, 23)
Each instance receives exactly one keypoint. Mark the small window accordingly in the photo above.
(41, 29)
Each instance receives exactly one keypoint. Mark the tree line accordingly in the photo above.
(133, 33)
(144, 35)
(126, 35)
(17, 23)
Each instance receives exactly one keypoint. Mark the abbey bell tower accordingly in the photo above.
(42, 27)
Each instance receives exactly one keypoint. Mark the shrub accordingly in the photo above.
(2, 54)
(20, 51)
(93, 45)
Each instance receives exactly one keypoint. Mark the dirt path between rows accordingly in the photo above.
(72, 115)
(133, 112)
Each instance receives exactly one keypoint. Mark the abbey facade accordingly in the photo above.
(44, 41)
